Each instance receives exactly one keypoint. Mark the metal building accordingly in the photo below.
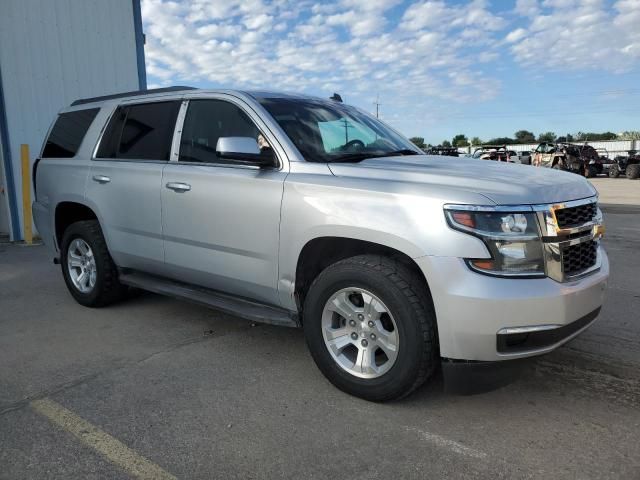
(51, 53)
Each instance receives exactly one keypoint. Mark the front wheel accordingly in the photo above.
(370, 327)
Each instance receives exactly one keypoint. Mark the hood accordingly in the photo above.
(502, 183)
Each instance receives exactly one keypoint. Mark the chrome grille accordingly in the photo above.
(580, 257)
(570, 238)
(575, 216)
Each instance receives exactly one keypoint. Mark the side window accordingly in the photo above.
(68, 132)
(141, 132)
(208, 120)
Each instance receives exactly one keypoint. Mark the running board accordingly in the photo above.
(247, 309)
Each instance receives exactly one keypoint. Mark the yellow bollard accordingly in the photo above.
(26, 194)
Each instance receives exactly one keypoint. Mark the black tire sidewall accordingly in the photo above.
(403, 373)
(83, 231)
(614, 171)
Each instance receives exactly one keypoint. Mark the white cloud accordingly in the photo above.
(351, 44)
(416, 53)
(579, 35)
(527, 8)
(254, 22)
(516, 35)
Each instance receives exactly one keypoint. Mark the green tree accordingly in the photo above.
(476, 141)
(446, 143)
(460, 140)
(418, 141)
(524, 136)
(632, 135)
(547, 137)
(569, 138)
(592, 136)
(501, 141)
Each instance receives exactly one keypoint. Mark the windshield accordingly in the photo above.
(327, 131)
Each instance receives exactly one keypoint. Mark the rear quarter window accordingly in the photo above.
(68, 132)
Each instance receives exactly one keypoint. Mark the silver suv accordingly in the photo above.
(306, 212)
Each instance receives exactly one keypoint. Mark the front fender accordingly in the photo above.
(407, 221)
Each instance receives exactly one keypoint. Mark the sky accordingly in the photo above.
(478, 67)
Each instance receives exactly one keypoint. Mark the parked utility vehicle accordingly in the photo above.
(305, 212)
(628, 165)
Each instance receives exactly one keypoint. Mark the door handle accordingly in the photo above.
(178, 186)
(101, 179)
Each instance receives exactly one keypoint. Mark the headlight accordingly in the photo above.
(512, 238)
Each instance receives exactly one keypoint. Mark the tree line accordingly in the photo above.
(525, 136)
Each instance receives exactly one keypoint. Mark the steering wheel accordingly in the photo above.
(354, 145)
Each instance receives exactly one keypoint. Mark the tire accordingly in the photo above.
(633, 171)
(614, 171)
(591, 171)
(106, 288)
(410, 309)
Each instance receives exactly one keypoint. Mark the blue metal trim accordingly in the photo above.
(8, 168)
(137, 25)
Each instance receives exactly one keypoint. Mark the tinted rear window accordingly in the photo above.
(68, 132)
(143, 132)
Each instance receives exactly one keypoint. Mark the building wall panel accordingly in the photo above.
(54, 52)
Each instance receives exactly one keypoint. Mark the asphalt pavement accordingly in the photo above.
(159, 388)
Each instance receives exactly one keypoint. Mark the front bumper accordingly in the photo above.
(477, 314)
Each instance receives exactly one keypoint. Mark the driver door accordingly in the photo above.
(221, 218)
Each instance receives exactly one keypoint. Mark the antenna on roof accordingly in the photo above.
(336, 98)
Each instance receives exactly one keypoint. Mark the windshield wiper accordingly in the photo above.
(358, 156)
(404, 151)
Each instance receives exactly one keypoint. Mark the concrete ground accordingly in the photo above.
(158, 388)
(618, 191)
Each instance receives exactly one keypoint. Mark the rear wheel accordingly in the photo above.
(633, 171)
(370, 327)
(88, 270)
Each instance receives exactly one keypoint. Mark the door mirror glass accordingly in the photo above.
(244, 149)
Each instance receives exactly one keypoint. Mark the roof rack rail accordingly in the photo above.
(134, 93)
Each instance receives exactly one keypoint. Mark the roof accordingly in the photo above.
(257, 94)
(135, 93)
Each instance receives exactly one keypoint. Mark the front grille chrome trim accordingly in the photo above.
(554, 239)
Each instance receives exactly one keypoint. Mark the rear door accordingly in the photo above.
(125, 179)
(220, 218)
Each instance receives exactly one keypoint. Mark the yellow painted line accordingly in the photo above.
(114, 450)
(26, 194)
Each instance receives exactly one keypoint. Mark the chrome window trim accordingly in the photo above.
(94, 154)
(253, 116)
(177, 132)
(132, 102)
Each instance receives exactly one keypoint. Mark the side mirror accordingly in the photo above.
(244, 149)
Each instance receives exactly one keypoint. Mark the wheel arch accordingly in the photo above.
(321, 252)
(68, 212)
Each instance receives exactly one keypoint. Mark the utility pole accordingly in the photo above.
(377, 104)
(345, 122)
